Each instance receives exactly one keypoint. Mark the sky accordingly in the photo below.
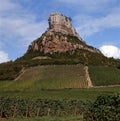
(22, 21)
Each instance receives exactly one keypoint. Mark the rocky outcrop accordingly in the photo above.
(61, 36)
(50, 43)
(60, 23)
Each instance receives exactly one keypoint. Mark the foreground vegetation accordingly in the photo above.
(104, 108)
(17, 107)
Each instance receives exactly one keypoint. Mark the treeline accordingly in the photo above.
(15, 107)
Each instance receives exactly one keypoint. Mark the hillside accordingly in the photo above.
(62, 77)
(59, 78)
(60, 44)
(55, 77)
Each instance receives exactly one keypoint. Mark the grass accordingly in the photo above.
(101, 75)
(81, 94)
(77, 118)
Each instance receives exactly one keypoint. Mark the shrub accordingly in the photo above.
(9, 70)
(105, 108)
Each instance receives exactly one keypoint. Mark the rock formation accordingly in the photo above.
(60, 23)
(61, 36)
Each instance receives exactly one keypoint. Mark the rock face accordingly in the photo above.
(61, 36)
(60, 23)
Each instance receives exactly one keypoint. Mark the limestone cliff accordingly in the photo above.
(61, 36)
(60, 23)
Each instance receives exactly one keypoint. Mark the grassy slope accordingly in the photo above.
(101, 75)
(52, 77)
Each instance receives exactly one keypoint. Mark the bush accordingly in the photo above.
(9, 70)
(105, 108)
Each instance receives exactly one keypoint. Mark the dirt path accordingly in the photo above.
(21, 73)
(106, 86)
(88, 77)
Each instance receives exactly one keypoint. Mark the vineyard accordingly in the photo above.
(61, 77)
(104, 76)
(56, 92)
(24, 108)
(57, 76)
(51, 77)
(104, 108)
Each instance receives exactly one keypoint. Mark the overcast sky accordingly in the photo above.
(22, 21)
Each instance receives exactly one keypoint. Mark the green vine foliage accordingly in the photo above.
(105, 108)
(16, 107)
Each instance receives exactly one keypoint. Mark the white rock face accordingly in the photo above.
(60, 23)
